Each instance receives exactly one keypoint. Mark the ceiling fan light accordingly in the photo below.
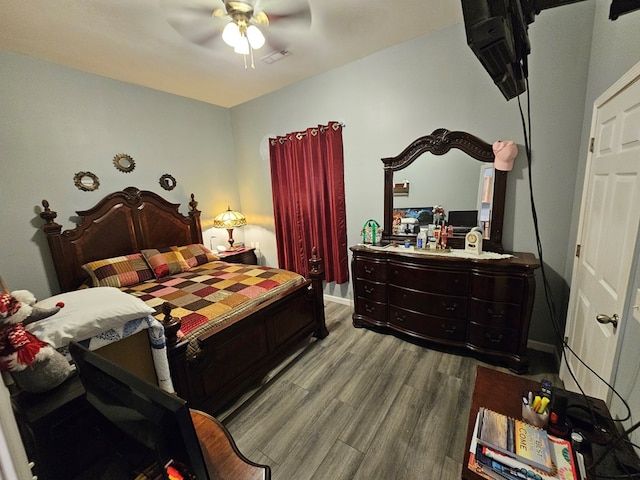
(242, 46)
(255, 37)
(231, 34)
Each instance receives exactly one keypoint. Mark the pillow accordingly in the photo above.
(119, 271)
(87, 313)
(165, 261)
(196, 254)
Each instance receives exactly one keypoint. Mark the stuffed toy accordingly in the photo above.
(34, 365)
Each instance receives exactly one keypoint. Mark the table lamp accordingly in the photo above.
(229, 220)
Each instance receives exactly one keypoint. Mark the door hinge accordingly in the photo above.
(577, 250)
(591, 142)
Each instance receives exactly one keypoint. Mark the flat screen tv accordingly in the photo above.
(497, 32)
(156, 419)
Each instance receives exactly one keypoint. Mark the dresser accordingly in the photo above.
(479, 305)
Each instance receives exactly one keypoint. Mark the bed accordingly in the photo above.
(218, 344)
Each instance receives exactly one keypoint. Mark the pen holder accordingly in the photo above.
(536, 419)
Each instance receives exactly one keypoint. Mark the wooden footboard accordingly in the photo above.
(239, 354)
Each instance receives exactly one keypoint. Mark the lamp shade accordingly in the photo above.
(255, 37)
(229, 219)
(242, 46)
(231, 34)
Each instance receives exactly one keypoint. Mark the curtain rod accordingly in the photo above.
(299, 135)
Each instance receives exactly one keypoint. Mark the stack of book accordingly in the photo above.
(503, 448)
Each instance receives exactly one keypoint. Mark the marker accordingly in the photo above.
(536, 403)
(543, 404)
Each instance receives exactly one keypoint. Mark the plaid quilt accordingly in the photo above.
(211, 294)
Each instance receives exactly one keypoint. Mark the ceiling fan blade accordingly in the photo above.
(301, 18)
(279, 10)
(195, 20)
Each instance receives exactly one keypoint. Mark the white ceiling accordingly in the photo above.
(132, 41)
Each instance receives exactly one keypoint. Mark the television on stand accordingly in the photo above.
(154, 419)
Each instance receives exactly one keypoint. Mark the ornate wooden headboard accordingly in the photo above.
(121, 223)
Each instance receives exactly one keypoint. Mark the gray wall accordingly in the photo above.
(393, 97)
(616, 49)
(56, 121)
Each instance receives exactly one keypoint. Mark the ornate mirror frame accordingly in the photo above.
(439, 143)
(86, 181)
(124, 162)
(168, 182)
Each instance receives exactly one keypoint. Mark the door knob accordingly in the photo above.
(604, 319)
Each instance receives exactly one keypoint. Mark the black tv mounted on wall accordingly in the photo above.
(497, 32)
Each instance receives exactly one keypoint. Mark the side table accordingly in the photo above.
(246, 255)
(501, 392)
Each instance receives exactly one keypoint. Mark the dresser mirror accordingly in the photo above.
(452, 169)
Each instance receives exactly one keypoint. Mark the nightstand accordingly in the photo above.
(246, 255)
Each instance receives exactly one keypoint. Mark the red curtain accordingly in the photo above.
(307, 178)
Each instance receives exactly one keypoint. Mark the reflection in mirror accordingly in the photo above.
(452, 181)
(463, 182)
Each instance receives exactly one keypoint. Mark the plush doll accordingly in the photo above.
(34, 365)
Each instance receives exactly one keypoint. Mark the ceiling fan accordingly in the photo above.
(244, 25)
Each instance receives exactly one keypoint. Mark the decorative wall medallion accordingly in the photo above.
(86, 181)
(124, 162)
(168, 182)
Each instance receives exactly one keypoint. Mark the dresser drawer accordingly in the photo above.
(428, 326)
(430, 303)
(374, 310)
(495, 314)
(493, 338)
(429, 279)
(498, 288)
(371, 290)
(370, 270)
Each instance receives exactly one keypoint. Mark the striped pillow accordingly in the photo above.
(196, 254)
(118, 271)
(165, 261)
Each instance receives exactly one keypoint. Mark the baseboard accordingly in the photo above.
(333, 298)
(543, 347)
(532, 344)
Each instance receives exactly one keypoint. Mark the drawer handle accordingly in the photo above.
(450, 308)
(400, 318)
(368, 289)
(497, 339)
(369, 308)
(448, 330)
(495, 314)
(368, 270)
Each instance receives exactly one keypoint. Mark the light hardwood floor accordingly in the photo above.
(363, 405)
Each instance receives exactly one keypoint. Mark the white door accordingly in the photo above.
(608, 228)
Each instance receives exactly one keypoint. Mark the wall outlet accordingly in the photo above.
(636, 306)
